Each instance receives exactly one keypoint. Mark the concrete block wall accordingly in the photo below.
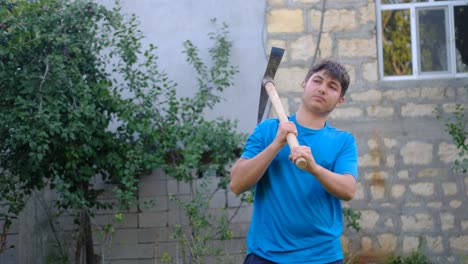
(407, 188)
(146, 233)
(143, 236)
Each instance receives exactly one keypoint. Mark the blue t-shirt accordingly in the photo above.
(295, 220)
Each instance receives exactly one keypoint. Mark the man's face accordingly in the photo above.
(322, 93)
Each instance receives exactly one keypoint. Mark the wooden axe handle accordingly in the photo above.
(276, 102)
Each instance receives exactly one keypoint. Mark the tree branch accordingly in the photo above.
(42, 84)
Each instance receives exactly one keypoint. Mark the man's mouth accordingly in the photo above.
(319, 98)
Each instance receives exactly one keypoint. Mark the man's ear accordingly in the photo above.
(340, 101)
(303, 84)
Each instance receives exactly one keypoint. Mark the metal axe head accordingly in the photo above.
(276, 55)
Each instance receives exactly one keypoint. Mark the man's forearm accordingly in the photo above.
(247, 172)
(343, 186)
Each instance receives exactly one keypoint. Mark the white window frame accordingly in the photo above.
(450, 29)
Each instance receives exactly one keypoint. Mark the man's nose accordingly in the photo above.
(321, 89)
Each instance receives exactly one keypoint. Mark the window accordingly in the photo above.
(422, 38)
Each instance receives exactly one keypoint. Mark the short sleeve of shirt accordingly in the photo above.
(347, 160)
(256, 141)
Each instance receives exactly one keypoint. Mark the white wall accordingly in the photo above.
(168, 23)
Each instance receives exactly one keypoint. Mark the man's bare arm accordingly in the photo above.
(343, 186)
(247, 172)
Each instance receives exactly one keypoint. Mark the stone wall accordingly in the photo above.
(407, 189)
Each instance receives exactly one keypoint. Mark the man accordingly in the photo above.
(297, 215)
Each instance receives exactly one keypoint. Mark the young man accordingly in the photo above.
(297, 215)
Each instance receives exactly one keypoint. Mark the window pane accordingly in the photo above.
(396, 42)
(461, 37)
(432, 40)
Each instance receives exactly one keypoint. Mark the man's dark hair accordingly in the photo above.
(335, 70)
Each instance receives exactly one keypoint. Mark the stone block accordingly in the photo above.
(366, 243)
(334, 20)
(390, 161)
(380, 111)
(430, 173)
(306, 1)
(285, 21)
(437, 93)
(417, 153)
(410, 243)
(390, 142)
(367, 96)
(447, 220)
(464, 224)
(370, 72)
(416, 222)
(276, 3)
(366, 13)
(377, 192)
(435, 244)
(398, 190)
(357, 48)
(412, 205)
(376, 177)
(368, 160)
(346, 113)
(402, 94)
(417, 110)
(359, 195)
(458, 243)
(373, 144)
(447, 153)
(449, 188)
(422, 188)
(369, 218)
(449, 107)
(404, 175)
(389, 223)
(436, 205)
(387, 242)
(289, 80)
(303, 47)
(455, 203)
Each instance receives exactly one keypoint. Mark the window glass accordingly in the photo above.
(461, 37)
(396, 42)
(432, 33)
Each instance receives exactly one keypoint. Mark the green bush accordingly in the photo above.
(64, 120)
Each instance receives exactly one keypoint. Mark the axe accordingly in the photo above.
(269, 91)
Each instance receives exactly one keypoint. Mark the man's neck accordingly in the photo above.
(309, 119)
